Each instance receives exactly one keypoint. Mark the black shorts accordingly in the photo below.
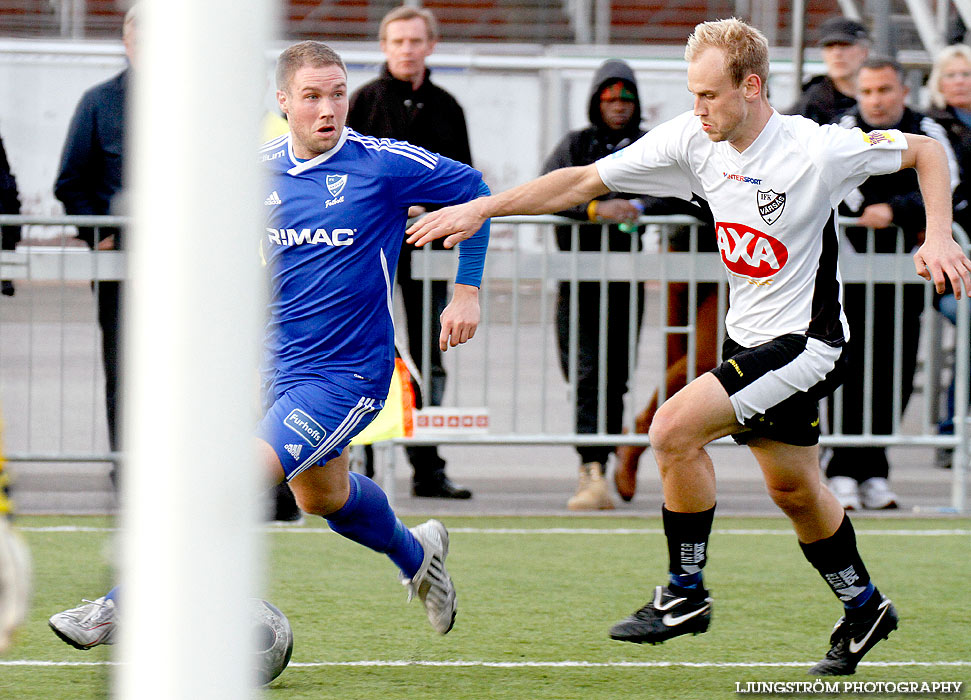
(775, 387)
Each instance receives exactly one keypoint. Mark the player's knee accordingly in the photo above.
(666, 438)
(793, 499)
(320, 502)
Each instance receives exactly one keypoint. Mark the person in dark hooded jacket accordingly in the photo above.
(615, 118)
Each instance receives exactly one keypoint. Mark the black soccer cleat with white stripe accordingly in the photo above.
(851, 640)
(667, 615)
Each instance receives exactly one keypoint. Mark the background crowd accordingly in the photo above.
(858, 90)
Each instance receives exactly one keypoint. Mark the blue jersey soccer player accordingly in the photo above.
(336, 204)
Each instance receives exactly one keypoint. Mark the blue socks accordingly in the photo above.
(367, 519)
(112, 595)
(688, 582)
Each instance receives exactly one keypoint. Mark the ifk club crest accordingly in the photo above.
(335, 184)
(771, 204)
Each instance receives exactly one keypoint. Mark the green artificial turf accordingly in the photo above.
(535, 607)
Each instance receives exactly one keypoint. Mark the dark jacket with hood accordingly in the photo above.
(822, 102)
(585, 146)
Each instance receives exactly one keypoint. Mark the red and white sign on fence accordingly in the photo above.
(436, 420)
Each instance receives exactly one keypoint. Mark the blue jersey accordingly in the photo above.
(334, 229)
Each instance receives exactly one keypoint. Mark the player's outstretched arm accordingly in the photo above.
(939, 258)
(555, 191)
(460, 319)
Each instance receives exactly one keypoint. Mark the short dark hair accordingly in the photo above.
(304, 53)
(881, 62)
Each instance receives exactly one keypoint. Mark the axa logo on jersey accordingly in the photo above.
(749, 252)
(307, 236)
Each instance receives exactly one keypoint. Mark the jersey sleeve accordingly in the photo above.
(422, 177)
(654, 164)
(472, 251)
(847, 157)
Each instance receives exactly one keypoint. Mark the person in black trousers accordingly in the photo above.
(89, 181)
(403, 104)
(615, 122)
(858, 476)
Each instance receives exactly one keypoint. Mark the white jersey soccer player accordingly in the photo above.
(774, 207)
(773, 184)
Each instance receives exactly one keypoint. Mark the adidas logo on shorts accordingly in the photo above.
(294, 450)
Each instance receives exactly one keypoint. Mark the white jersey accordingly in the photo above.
(774, 211)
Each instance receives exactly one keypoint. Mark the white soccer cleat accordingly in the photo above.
(847, 492)
(87, 625)
(432, 583)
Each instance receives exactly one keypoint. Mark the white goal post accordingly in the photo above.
(194, 313)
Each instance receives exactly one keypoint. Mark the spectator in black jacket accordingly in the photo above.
(615, 119)
(858, 475)
(9, 204)
(404, 104)
(89, 182)
(826, 98)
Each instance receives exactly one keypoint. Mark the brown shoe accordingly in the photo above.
(625, 473)
(591, 490)
(628, 456)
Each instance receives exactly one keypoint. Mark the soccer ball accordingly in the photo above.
(274, 641)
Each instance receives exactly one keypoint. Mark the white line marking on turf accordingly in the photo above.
(612, 664)
(66, 528)
(550, 531)
(25, 662)
(393, 663)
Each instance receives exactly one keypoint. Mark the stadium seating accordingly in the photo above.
(496, 21)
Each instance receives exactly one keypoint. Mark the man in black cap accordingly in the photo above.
(826, 98)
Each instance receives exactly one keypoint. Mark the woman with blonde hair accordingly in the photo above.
(949, 87)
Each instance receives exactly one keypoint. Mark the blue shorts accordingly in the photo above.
(311, 420)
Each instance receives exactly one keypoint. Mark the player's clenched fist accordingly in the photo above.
(460, 319)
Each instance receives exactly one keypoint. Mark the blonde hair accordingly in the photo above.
(304, 53)
(937, 72)
(409, 12)
(745, 47)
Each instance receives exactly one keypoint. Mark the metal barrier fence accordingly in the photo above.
(54, 402)
(536, 411)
